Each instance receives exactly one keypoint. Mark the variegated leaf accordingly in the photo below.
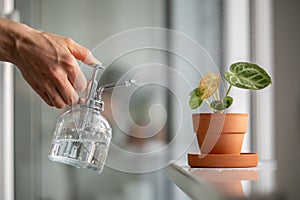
(195, 100)
(247, 76)
(222, 104)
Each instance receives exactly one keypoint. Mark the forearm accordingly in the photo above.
(11, 33)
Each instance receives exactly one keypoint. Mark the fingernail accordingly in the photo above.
(90, 59)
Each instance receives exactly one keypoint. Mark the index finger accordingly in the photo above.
(83, 54)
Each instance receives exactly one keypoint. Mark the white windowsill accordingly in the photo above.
(225, 183)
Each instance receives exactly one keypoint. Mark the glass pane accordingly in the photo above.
(140, 118)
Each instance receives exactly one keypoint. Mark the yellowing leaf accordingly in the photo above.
(209, 84)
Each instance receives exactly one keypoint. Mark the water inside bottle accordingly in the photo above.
(81, 153)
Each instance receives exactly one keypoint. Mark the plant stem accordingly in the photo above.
(215, 96)
(218, 94)
(228, 90)
(205, 100)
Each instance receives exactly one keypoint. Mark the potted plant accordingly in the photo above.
(220, 135)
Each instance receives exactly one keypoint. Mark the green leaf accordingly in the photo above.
(227, 102)
(196, 92)
(247, 76)
(223, 104)
(195, 101)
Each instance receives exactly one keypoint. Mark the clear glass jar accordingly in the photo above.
(82, 137)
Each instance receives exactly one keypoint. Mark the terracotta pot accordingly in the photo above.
(220, 133)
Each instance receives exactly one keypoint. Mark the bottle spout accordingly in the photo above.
(108, 86)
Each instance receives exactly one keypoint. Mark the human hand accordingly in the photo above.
(48, 63)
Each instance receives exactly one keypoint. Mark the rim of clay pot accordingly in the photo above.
(218, 116)
(228, 113)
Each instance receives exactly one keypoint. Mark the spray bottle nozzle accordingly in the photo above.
(97, 66)
(126, 83)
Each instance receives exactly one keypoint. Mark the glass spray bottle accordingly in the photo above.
(82, 135)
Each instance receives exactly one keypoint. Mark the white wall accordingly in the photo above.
(287, 83)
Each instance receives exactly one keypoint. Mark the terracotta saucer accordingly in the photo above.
(223, 160)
